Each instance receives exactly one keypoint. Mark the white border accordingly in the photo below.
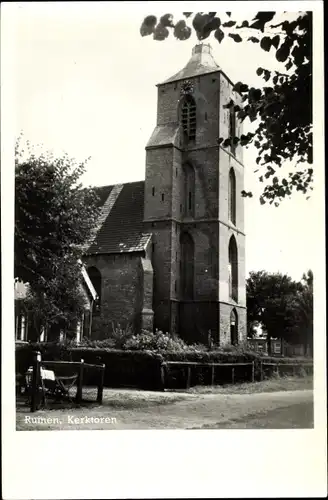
(145, 464)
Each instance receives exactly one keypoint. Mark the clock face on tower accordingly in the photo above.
(187, 87)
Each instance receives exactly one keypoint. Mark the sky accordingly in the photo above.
(85, 84)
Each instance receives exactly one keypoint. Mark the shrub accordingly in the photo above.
(157, 341)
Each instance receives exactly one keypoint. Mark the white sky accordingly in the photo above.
(85, 84)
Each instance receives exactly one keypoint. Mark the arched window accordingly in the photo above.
(234, 327)
(95, 277)
(232, 196)
(233, 269)
(189, 190)
(187, 266)
(232, 128)
(188, 118)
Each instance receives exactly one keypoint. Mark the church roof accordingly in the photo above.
(200, 63)
(121, 222)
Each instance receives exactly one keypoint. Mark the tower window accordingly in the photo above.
(233, 269)
(234, 327)
(176, 172)
(205, 116)
(162, 196)
(153, 191)
(188, 118)
(189, 190)
(187, 266)
(232, 129)
(232, 196)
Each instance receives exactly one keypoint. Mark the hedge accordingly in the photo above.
(139, 369)
(142, 369)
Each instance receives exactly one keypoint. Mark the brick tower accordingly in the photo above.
(194, 208)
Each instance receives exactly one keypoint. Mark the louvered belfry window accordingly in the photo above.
(188, 118)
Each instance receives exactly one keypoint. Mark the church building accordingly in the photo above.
(169, 251)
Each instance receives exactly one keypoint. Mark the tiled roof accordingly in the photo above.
(200, 63)
(163, 135)
(121, 229)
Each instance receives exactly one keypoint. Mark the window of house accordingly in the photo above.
(233, 269)
(187, 266)
(153, 191)
(232, 196)
(188, 118)
(162, 196)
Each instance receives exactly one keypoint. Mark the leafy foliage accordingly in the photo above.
(282, 109)
(54, 217)
(281, 305)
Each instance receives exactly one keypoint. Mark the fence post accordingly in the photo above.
(261, 370)
(35, 389)
(253, 371)
(188, 376)
(100, 385)
(212, 374)
(162, 376)
(80, 383)
(233, 375)
(277, 370)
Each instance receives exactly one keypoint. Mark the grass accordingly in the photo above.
(269, 385)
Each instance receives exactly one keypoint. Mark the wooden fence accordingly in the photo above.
(80, 366)
(189, 364)
(277, 365)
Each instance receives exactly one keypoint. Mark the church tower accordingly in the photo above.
(193, 206)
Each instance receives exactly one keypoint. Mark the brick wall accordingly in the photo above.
(121, 293)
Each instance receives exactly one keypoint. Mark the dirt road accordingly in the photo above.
(126, 409)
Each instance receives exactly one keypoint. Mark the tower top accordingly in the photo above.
(200, 63)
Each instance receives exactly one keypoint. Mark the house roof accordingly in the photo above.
(120, 227)
(200, 63)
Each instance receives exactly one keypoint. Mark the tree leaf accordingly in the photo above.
(160, 32)
(265, 43)
(148, 26)
(282, 53)
(275, 41)
(240, 87)
(187, 14)
(236, 38)
(259, 71)
(229, 24)
(289, 64)
(182, 31)
(167, 20)
(253, 39)
(219, 35)
(267, 75)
